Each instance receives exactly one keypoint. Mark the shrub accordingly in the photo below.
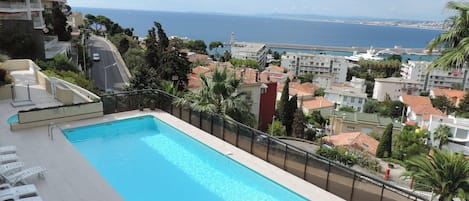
(5, 78)
(310, 134)
(338, 154)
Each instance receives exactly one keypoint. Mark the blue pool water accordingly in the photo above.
(145, 159)
(12, 119)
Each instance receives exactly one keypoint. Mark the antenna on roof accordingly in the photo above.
(232, 38)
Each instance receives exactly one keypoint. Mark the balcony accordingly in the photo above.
(14, 7)
(457, 148)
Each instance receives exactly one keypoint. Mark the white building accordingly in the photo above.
(437, 78)
(317, 64)
(23, 10)
(348, 95)
(459, 129)
(394, 87)
(254, 51)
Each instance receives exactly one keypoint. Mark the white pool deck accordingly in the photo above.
(70, 177)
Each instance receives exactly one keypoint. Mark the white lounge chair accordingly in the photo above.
(10, 168)
(8, 158)
(8, 149)
(20, 176)
(8, 192)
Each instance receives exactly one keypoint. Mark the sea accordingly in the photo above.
(220, 27)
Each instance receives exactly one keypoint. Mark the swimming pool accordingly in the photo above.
(13, 119)
(146, 159)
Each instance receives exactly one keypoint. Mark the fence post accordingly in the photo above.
(382, 192)
(190, 115)
(327, 178)
(211, 124)
(353, 185)
(285, 157)
(268, 149)
(306, 165)
(252, 140)
(200, 120)
(115, 103)
(223, 129)
(237, 134)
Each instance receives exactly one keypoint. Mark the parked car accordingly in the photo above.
(96, 57)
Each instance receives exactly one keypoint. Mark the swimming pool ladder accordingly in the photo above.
(50, 130)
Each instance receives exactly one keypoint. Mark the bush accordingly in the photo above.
(338, 154)
(310, 134)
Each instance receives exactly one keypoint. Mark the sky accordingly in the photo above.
(390, 9)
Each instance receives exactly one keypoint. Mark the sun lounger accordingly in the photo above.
(17, 192)
(20, 176)
(10, 168)
(8, 158)
(8, 149)
(35, 198)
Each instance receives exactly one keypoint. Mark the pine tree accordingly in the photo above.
(385, 143)
(299, 124)
(283, 103)
(464, 104)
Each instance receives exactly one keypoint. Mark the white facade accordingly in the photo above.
(317, 64)
(459, 137)
(354, 96)
(437, 78)
(395, 87)
(23, 10)
(254, 51)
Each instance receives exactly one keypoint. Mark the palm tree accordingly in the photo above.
(455, 39)
(441, 134)
(446, 172)
(220, 94)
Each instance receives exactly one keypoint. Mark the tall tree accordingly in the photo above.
(289, 114)
(463, 107)
(299, 123)
(455, 39)
(220, 94)
(443, 104)
(446, 172)
(385, 143)
(215, 45)
(283, 103)
(441, 134)
(59, 22)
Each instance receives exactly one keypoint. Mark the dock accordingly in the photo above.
(387, 50)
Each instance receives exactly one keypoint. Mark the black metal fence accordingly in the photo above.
(329, 175)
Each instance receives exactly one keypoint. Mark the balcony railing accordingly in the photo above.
(329, 175)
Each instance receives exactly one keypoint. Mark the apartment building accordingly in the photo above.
(317, 64)
(394, 87)
(30, 10)
(246, 50)
(436, 78)
(458, 140)
(351, 94)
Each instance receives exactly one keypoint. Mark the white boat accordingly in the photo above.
(369, 55)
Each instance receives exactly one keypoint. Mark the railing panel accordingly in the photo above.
(176, 111)
(259, 148)
(109, 104)
(277, 153)
(206, 122)
(316, 172)
(389, 195)
(295, 162)
(245, 138)
(186, 110)
(364, 189)
(195, 118)
(340, 182)
(230, 132)
(123, 103)
(217, 126)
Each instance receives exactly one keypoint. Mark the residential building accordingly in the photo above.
(303, 90)
(246, 50)
(343, 122)
(436, 78)
(394, 87)
(351, 94)
(317, 64)
(275, 74)
(419, 109)
(458, 140)
(353, 140)
(455, 96)
(318, 103)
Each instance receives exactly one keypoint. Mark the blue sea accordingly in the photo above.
(218, 27)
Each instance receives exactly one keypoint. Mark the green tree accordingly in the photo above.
(244, 62)
(91, 19)
(59, 22)
(320, 92)
(277, 129)
(455, 39)
(145, 78)
(446, 172)
(283, 103)
(123, 46)
(441, 134)
(463, 107)
(220, 94)
(347, 109)
(197, 46)
(289, 114)
(370, 106)
(385, 144)
(308, 77)
(315, 118)
(443, 104)
(410, 142)
(215, 45)
(299, 124)
(276, 55)
(226, 55)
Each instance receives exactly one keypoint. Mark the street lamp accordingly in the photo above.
(105, 75)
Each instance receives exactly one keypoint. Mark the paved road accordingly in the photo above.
(114, 67)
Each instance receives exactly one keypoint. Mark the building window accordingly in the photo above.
(350, 128)
(345, 98)
(360, 100)
(352, 99)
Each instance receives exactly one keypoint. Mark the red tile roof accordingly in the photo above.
(416, 100)
(197, 57)
(316, 103)
(355, 140)
(426, 110)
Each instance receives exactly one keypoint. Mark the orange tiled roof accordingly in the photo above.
(200, 70)
(449, 93)
(416, 100)
(277, 69)
(354, 140)
(316, 103)
(249, 75)
(197, 57)
(426, 110)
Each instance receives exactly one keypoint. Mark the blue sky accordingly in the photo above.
(395, 9)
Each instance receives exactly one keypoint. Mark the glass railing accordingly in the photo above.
(326, 174)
